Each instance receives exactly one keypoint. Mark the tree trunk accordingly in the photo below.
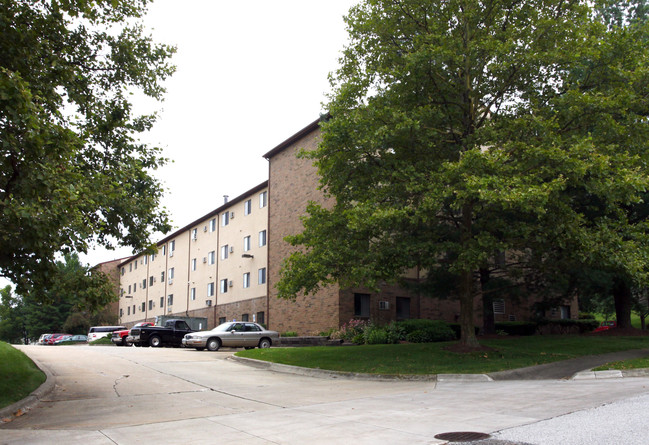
(467, 325)
(623, 303)
(488, 320)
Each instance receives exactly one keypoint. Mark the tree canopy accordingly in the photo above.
(461, 129)
(73, 173)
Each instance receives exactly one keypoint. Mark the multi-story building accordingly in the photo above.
(214, 267)
(225, 265)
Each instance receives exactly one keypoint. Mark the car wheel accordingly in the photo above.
(264, 343)
(155, 341)
(213, 344)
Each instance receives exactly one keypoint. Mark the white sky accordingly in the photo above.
(249, 75)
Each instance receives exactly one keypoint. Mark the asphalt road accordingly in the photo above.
(113, 395)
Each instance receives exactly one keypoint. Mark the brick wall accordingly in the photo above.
(293, 183)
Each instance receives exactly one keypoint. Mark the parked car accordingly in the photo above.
(74, 339)
(171, 334)
(54, 337)
(121, 338)
(97, 332)
(606, 325)
(61, 339)
(42, 338)
(232, 334)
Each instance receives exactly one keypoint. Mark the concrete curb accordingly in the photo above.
(8, 413)
(324, 373)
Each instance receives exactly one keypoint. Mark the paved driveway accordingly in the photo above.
(113, 395)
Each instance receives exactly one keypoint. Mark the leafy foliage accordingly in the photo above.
(74, 301)
(72, 171)
(462, 129)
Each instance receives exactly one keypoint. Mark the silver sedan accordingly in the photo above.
(236, 334)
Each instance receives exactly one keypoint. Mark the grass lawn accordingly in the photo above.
(18, 375)
(433, 358)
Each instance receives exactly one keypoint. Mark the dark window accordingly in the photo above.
(244, 317)
(362, 305)
(260, 317)
(221, 320)
(403, 308)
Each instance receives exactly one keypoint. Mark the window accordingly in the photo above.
(262, 238)
(247, 207)
(133, 309)
(144, 284)
(194, 234)
(210, 289)
(260, 318)
(565, 312)
(193, 264)
(362, 305)
(162, 302)
(499, 306)
(134, 287)
(145, 260)
(403, 308)
(223, 286)
(213, 225)
(135, 265)
(129, 288)
(130, 267)
(151, 280)
(143, 306)
(246, 280)
(263, 199)
(224, 252)
(152, 257)
(221, 320)
(162, 276)
(128, 310)
(121, 313)
(192, 293)
(172, 247)
(225, 219)
(244, 317)
(170, 275)
(150, 304)
(261, 276)
(123, 270)
(164, 250)
(170, 300)
(246, 243)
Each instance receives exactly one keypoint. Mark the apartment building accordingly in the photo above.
(225, 265)
(215, 267)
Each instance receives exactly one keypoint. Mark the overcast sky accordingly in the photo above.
(249, 75)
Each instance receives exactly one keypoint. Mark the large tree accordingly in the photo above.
(73, 173)
(461, 129)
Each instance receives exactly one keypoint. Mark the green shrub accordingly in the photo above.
(586, 316)
(352, 331)
(517, 327)
(289, 334)
(429, 334)
(375, 336)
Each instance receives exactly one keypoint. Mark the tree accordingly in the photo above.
(461, 129)
(72, 171)
(74, 301)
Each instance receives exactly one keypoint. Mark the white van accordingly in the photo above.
(96, 332)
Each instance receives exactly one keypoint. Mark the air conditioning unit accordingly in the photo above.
(231, 215)
(205, 259)
(230, 284)
(171, 253)
(204, 228)
(384, 305)
(208, 302)
(171, 281)
(168, 309)
(231, 249)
